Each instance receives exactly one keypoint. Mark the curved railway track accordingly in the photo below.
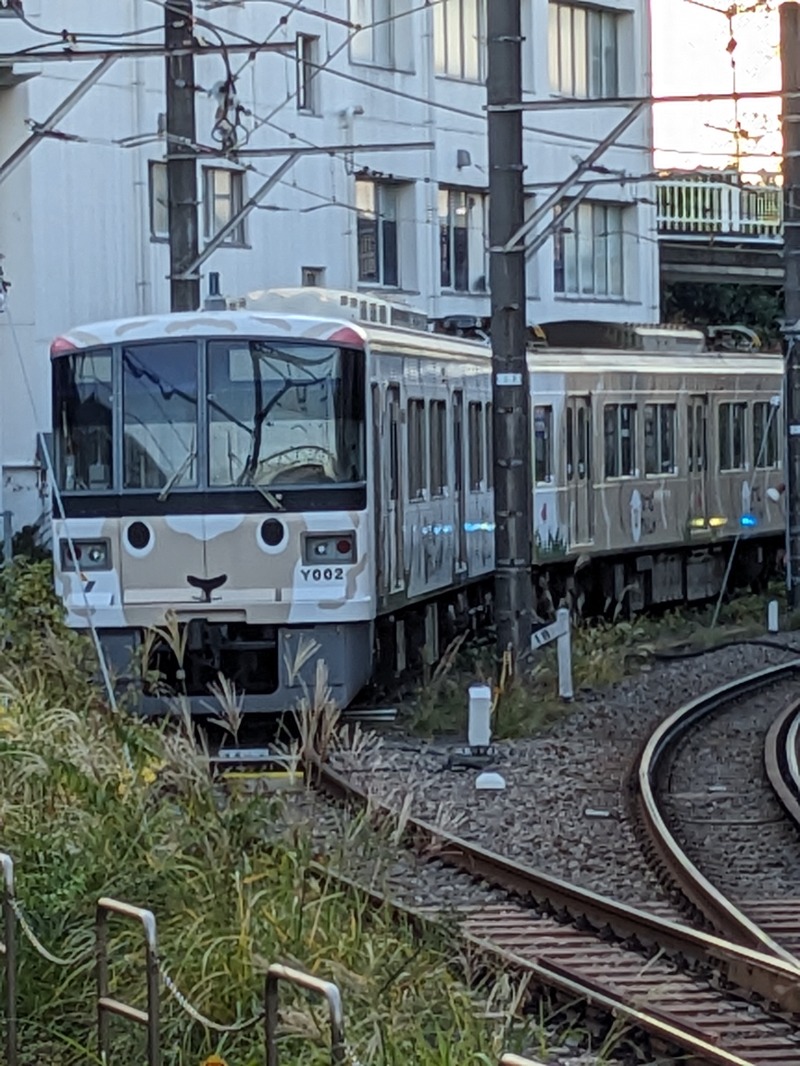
(720, 1000)
(710, 817)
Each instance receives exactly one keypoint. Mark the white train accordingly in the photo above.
(308, 476)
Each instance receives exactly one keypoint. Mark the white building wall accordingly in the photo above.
(75, 216)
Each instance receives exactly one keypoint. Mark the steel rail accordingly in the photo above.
(675, 1031)
(773, 978)
(780, 759)
(725, 916)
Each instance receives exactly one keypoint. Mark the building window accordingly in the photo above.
(224, 197)
(437, 417)
(475, 447)
(376, 206)
(159, 202)
(765, 434)
(374, 42)
(588, 252)
(732, 436)
(583, 51)
(462, 243)
(659, 438)
(459, 36)
(543, 443)
(417, 467)
(307, 66)
(619, 425)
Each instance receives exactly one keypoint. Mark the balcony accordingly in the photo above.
(712, 228)
(719, 208)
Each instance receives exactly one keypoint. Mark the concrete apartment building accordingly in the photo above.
(83, 216)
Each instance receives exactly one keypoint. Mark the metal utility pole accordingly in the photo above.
(790, 67)
(181, 155)
(510, 391)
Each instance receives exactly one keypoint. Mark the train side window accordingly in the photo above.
(697, 438)
(659, 438)
(619, 430)
(570, 447)
(765, 434)
(393, 413)
(475, 446)
(732, 418)
(584, 445)
(416, 450)
(489, 446)
(543, 443)
(437, 421)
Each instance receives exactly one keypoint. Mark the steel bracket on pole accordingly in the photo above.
(327, 989)
(42, 129)
(9, 942)
(107, 1004)
(582, 167)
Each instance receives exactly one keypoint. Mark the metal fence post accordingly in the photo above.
(277, 973)
(106, 1004)
(10, 941)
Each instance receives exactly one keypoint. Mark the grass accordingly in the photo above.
(94, 803)
(603, 652)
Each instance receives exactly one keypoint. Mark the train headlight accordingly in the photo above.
(333, 547)
(89, 555)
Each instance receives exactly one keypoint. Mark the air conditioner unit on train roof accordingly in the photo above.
(336, 303)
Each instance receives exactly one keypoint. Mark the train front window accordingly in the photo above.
(159, 414)
(83, 416)
(285, 415)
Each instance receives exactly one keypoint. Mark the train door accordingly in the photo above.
(393, 530)
(459, 495)
(698, 457)
(579, 470)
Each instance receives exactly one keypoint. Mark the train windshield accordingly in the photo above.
(274, 414)
(284, 415)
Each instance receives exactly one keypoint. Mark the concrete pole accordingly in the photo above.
(510, 387)
(181, 156)
(790, 66)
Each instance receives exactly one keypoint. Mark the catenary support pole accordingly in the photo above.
(181, 156)
(510, 390)
(790, 66)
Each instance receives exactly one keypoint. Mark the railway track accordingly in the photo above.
(693, 993)
(724, 843)
(731, 998)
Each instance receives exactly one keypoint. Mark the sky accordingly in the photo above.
(690, 55)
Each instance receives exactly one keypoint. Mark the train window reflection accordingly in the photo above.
(83, 391)
(659, 438)
(285, 415)
(619, 431)
(543, 443)
(159, 404)
(732, 436)
(765, 434)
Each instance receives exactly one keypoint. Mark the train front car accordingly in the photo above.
(212, 502)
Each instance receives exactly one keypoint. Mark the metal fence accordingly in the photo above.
(709, 205)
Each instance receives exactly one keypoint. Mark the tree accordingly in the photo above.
(758, 306)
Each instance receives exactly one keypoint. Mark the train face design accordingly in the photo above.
(248, 493)
(222, 484)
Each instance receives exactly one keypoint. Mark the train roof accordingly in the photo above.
(364, 319)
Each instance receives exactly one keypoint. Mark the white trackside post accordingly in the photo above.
(479, 728)
(559, 631)
(773, 618)
(564, 650)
